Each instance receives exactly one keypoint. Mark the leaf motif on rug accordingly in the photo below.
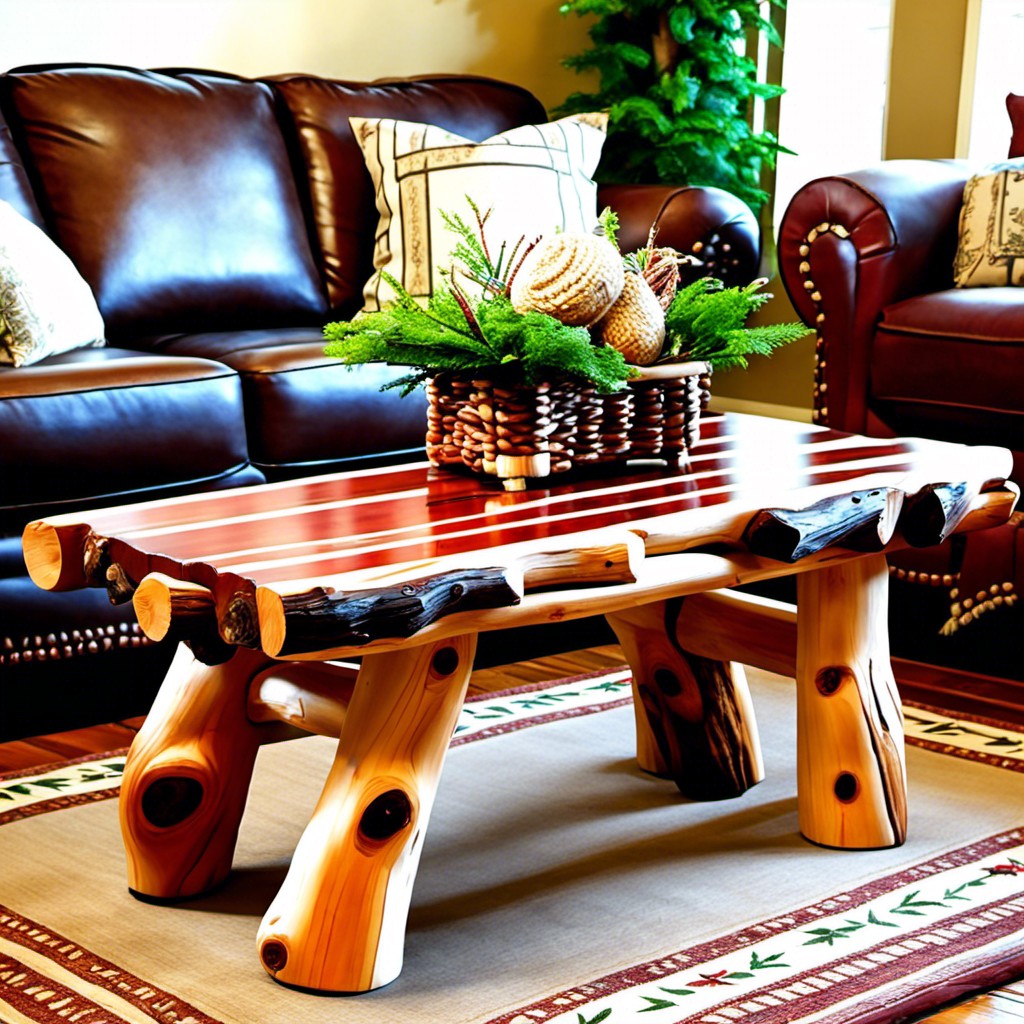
(838, 948)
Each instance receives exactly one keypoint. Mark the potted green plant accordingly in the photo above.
(678, 87)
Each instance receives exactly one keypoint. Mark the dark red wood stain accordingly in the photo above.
(332, 524)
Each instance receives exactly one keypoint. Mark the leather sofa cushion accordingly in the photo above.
(949, 364)
(340, 189)
(112, 426)
(172, 193)
(306, 412)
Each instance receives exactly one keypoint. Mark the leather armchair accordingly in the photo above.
(867, 261)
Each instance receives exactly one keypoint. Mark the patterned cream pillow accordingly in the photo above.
(990, 250)
(46, 306)
(535, 179)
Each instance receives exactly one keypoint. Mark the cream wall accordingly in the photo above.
(923, 99)
(523, 41)
(925, 78)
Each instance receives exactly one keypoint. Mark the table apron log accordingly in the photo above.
(656, 578)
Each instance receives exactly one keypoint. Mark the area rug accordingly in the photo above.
(558, 884)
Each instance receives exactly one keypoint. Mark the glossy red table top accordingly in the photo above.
(322, 526)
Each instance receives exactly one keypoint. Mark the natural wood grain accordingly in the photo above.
(322, 617)
(54, 554)
(338, 922)
(312, 697)
(988, 1008)
(172, 609)
(59, 748)
(726, 625)
(39, 751)
(657, 578)
(298, 620)
(187, 776)
(695, 720)
(180, 611)
(851, 770)
(556, 666)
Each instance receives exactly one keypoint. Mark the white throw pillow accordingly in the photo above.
(46, 306)
(990, 246)
(535, 179)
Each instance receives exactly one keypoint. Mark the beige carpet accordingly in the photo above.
(558, 883)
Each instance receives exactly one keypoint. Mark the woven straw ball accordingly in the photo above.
(573, 277)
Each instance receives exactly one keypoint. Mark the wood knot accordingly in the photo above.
(667, 682)
(95, 559)
(831, 678)
(274, 955)
(240, 623)
(846, 787)
(386, 816)
(446, 661)
(120, 588)
(168, 801)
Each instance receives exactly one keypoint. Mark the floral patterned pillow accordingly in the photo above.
(990, 249)
(46, 306)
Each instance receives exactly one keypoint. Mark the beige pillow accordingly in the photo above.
(46, 306)
(990, 249)
(535, 179)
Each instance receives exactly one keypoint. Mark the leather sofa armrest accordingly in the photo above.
(702, 221)
(850, 245)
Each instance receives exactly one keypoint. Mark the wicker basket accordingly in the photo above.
(520, 433)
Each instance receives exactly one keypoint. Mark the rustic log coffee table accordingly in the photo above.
(266, 587)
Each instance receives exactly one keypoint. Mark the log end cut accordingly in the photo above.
(270, 606)
(44, 557)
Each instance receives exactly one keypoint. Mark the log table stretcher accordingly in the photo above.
(267, 589)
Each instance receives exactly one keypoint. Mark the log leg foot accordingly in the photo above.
(695, 720)
(850, 758)
(338, 922)
(187, 777)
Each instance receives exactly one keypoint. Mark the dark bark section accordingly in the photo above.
(699, 728)
(858, 520)
(932, 514)
(319, 620)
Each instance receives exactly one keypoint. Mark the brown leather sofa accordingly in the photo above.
(867, 261)
(221, 222)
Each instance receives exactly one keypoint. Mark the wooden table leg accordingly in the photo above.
(187, 776)
(338, 922)
(851, 769)
(695, 720)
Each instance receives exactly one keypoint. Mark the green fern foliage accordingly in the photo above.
(488, 338)
(677, 85)
(708, 321)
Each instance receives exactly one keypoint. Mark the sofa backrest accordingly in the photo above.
(194, 200)
(14, 185)
(338, 186)
(174, 194)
